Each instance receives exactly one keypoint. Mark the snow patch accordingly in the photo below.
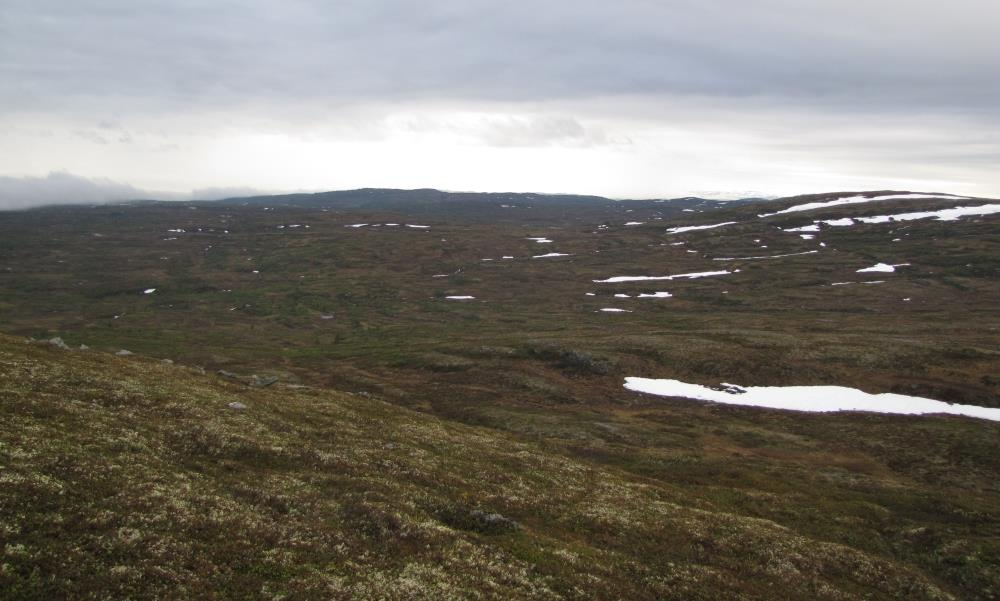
(882, 268)
(808, 398)
(805, 228)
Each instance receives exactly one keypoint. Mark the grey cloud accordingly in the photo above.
(153, 91)
(902, 53)
(539, 131)
(59, 188)
(62, 188)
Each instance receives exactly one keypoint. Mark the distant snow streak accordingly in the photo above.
(951, 214)
(809, 206)
(643, 278)
(691, 228)
(808, 252)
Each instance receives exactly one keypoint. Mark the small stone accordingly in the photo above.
(494, 521)
(167, 361)
(237, 406)
(58, 342)
(84, 347)
(123, 353)
(262, 381)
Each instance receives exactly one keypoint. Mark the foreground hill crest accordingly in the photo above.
(159, 489)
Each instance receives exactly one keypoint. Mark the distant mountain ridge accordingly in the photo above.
(387, 197)
(472, 205)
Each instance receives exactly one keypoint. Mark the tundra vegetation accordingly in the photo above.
(302, 412)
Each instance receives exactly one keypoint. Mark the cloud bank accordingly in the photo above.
(60, 188)
(668, 96)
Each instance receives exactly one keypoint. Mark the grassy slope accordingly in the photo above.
(125, 477)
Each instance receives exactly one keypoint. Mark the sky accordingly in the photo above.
(176, 99)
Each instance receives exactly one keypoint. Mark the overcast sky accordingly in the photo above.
(624, 98)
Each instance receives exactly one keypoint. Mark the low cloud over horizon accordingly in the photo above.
(622, 99)
(61, 188)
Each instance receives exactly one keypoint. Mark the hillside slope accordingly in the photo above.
(123, 477)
